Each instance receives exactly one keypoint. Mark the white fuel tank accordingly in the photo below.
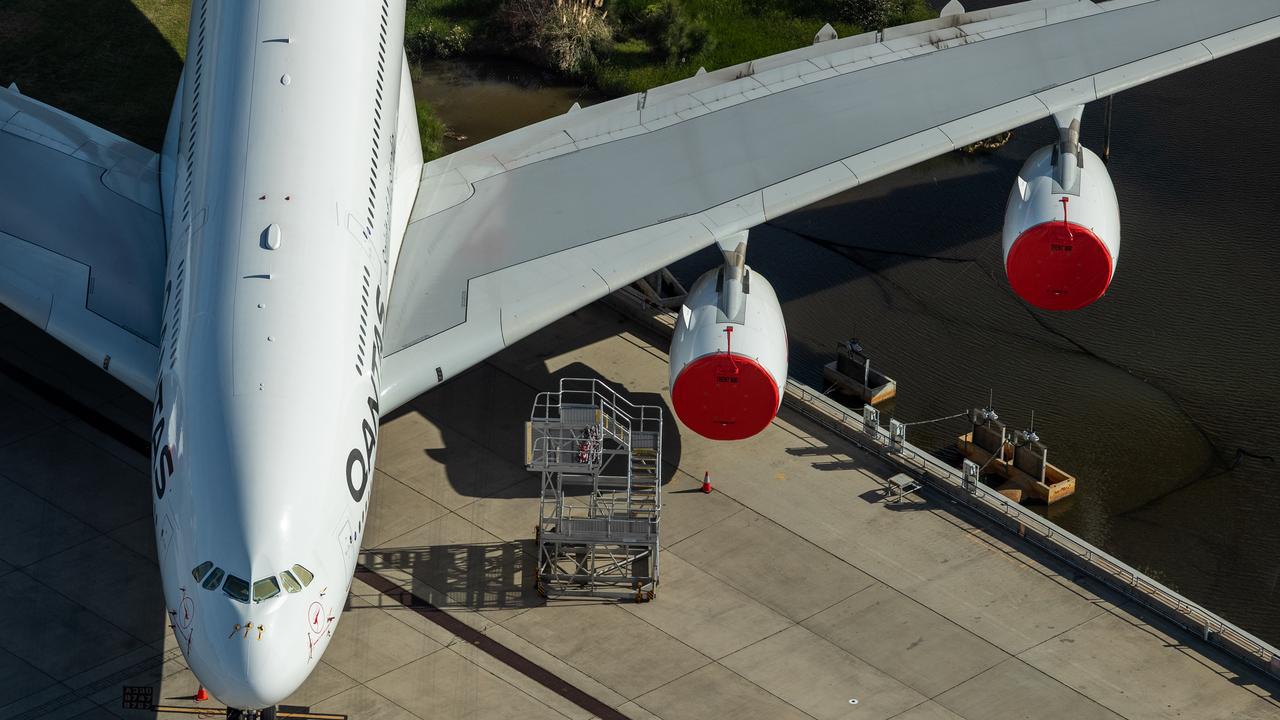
(729, 355)
(1061, 245)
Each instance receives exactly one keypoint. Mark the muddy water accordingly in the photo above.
(480, 100)
(1163, 398)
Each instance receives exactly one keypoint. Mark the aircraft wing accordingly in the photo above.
(82, 249)
(509, 235)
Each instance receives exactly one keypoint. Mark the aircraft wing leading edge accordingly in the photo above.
(512, 234)
(82, 249)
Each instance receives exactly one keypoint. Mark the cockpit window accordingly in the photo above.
(291, 583)
(266, 588)
(214, 579)
(236, 589)
(303, 574)
(201, 570)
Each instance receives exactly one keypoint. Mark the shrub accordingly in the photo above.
(671, 32)
(434, 41)
(568, 36)
(879, 14)
(870, 14)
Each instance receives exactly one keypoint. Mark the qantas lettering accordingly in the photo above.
(161, 453)
(362, 455)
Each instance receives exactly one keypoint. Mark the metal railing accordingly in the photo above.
(1043, 533)
(583, 453)
(600, 459)
(586, 391)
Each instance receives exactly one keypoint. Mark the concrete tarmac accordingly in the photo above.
(792, 591)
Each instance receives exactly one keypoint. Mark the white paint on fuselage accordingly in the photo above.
(268, 378)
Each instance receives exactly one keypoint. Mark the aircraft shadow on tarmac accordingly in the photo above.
(106, 62)
(488, 405)
(77, 490)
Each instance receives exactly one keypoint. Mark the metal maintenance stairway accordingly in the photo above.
(600, 459)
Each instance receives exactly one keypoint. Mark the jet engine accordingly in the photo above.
(1062, 225)
(729, 353)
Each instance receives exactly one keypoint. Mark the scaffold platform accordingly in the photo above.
(600, 458)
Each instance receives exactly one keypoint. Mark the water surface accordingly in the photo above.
(1162, 398)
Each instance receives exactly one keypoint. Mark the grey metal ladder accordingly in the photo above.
(600, 460)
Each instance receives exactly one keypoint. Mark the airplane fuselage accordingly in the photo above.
(277, 178)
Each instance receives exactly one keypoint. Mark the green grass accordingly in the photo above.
(471, 15)
(739, 33)
(114, 63)
(742, 30)
(431, 129)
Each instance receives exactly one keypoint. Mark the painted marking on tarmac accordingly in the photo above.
(480, 641)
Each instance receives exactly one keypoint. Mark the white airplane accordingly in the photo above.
(286, 271)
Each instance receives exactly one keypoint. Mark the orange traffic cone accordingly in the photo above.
(202, 694)
(706, 482)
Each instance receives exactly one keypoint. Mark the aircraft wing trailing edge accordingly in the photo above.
(509, 235)
(82, 249)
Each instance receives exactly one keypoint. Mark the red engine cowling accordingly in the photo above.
(1062, 229)
(729, 355)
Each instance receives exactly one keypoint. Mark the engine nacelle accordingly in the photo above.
(729, 354)
(1062, 229)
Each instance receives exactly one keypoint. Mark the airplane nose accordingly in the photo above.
(249, 670)
(257, 678)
